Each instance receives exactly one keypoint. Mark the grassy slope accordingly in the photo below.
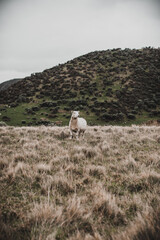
(18, 115)
(53, 188)
(113, 81)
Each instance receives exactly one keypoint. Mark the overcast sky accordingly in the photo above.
(39, 34)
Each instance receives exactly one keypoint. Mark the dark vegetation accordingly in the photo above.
(7, 84)
(113, 86)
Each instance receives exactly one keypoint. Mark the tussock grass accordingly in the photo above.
(105, 186)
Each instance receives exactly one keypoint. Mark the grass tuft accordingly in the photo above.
(105, 186)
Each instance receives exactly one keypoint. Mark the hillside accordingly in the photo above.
(5, 85)
(113, 86)
(102, 187)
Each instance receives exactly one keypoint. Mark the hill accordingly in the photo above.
(113, 86)
(5, 85)
(105, 186)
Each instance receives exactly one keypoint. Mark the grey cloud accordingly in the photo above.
(38, 34)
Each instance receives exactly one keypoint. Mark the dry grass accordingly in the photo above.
(105, 186)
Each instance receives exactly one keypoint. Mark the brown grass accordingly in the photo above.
(105, 186)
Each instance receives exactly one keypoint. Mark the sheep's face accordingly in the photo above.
(75, 114)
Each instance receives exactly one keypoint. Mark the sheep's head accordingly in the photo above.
(75, 114)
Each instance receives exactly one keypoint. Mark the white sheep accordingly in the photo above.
(77, 125)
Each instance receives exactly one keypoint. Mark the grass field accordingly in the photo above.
(17, 115)
(105, 186)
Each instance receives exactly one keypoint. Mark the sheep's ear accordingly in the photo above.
(71, 111)
(78, 112)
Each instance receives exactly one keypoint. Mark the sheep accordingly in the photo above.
(77, 125)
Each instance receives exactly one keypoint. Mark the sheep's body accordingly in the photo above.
(77, 125)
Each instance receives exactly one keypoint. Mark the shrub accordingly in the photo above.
(3, 124)
(131, 116)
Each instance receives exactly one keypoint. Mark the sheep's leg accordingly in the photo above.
(71, 134)
(77, 134)
(83, 134)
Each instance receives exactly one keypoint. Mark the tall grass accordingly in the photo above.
(105, 186)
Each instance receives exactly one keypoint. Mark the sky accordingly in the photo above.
(39, 34)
